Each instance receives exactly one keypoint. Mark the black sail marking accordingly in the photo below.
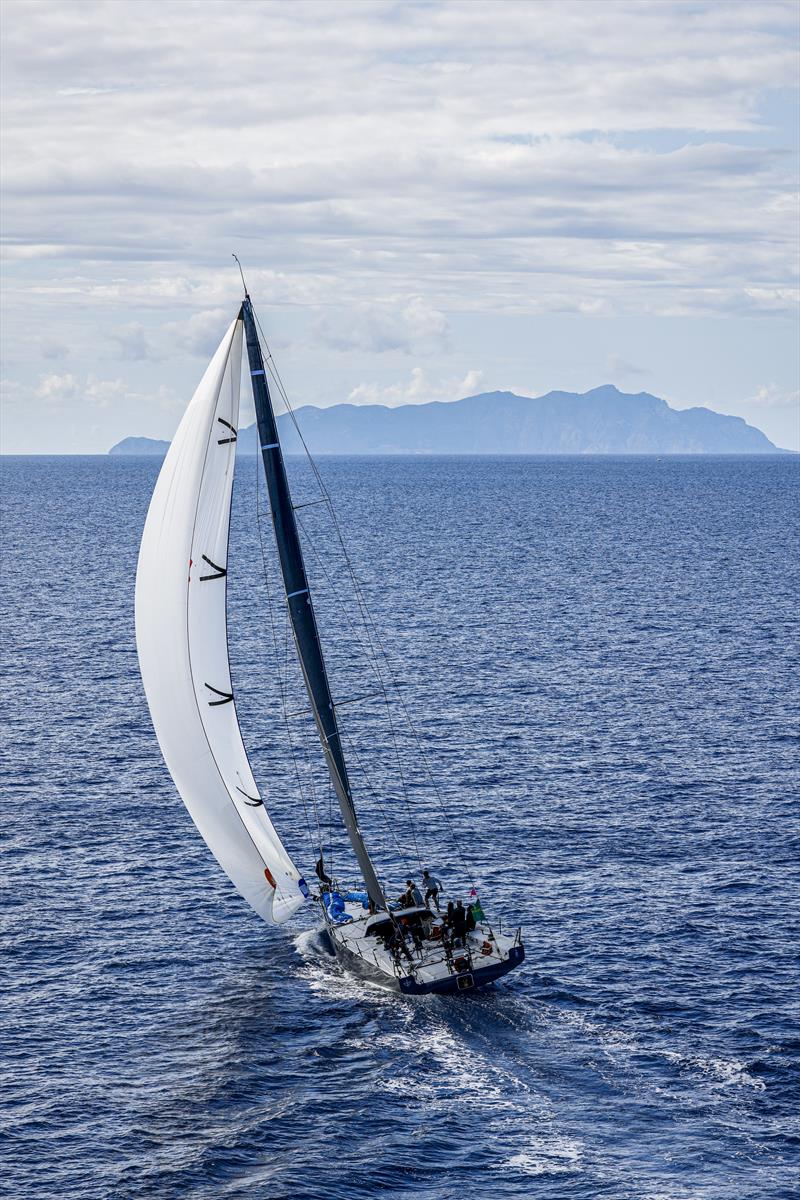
(225, 441)
(252, 801)
(227, 697)
(221, 572)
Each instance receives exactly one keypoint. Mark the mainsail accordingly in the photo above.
(181, 638)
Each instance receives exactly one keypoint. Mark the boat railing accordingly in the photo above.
(354, 948)
(424, 958)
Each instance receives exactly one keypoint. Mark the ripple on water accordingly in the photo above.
(601, 656)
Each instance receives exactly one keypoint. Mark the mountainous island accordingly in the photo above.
(601, 421)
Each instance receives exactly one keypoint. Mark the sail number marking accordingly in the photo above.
(220, 572)
(224, 441)
(251, 801)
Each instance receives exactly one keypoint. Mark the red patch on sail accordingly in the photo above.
(269, 878)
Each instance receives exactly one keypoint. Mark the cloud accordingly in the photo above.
(200, 334)
(488, 162)
(89, 91)
(58, 390)
(79, 414)
(386, 174)
(418, 389)
(415, 328)
(54, 350)
(132, 342)
(622, 369)
(769, 395)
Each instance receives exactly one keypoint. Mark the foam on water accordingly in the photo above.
(555, 1157)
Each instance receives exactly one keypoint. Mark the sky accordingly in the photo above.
(430, 200)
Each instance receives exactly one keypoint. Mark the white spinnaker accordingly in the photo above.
(181, 638)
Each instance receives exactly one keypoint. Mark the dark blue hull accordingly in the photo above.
(467, 981)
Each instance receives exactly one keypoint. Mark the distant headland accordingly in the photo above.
(601, 421)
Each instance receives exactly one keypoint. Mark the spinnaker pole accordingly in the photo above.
(298, 599)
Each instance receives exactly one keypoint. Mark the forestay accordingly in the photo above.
(181, 638)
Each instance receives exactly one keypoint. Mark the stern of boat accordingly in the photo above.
(469, 980)
(431, 968)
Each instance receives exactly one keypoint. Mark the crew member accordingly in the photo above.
(432, 888)
(395, 943)
(459, 921)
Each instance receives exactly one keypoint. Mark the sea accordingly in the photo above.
(577, 691)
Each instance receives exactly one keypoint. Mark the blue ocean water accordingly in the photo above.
(600, 656)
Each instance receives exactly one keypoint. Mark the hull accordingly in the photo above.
(356, 965)
(427, 969)
(465, 981)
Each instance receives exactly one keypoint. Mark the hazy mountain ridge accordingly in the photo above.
(601, 421)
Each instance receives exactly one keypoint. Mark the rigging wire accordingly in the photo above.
(343, 608)
(288, 660)
(371, 654)
(281, 682)
(369, 651)
(366, 617)
(390, 825)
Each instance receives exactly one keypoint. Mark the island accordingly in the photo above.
(601, 421)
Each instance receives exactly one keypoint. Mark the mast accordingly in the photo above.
(298, 599)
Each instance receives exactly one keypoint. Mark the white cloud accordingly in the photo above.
(200, 334)
(418, 389)
(132, 342)
(775, 299)
(89, 91)
(83, 414)
(414, 328)
(56, 389)
(621, 369)
(487, 157)
(59, 390)
(100, 393)
(769, 395)
(390, 171)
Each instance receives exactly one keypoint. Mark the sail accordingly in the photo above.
(181, 637)
(301, 611)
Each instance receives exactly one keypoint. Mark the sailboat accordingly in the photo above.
(182, 643)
